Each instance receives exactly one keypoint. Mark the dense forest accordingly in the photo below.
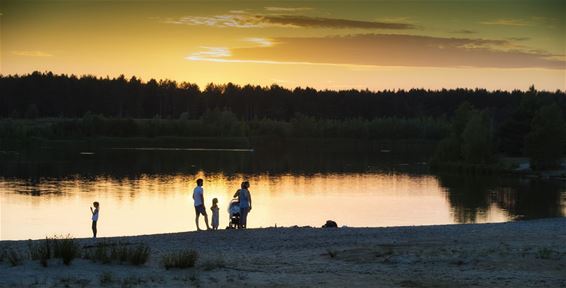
(471, 125)
(48, 95)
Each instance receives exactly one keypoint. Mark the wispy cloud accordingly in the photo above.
(546, 22)
(464, 31)
(305, 21)
(519, 38)
(31, 53)
(261, 21)
(507, 22)
(391, 50)
(234, 21)
(239, 11)
(261, 42)
(210, 53)
(287, 9)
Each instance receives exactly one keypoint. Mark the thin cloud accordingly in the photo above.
(305, 21)
(210, 53)
(507, 22)
(31, 53)
(287, 9)
(262, 21)
(392, 50)
(261, 42)
(519, 38)
(222, 21)
(464, 31)
(238, 11)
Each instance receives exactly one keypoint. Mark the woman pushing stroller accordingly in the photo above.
(245, 202)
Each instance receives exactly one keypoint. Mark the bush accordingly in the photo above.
(101, 254)
(40, 251)
(138, 255)
(119, 253)
(182, 259)
(548, 253)
(66, 249)
(14, 257)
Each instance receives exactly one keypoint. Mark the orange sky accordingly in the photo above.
(328, 45)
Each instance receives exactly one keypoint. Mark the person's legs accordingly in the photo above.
(243, 217)
(201, 210)
(215, 220)
(94, 229)
(197, 212)
(206, 221)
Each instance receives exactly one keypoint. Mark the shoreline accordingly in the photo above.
(526, 253)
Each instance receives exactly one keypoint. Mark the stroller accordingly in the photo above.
(234, 214)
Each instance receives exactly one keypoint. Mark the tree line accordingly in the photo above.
(475, 125)
(68, 96)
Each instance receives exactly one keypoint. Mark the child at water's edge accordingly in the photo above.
(214, 209)
(94, 218)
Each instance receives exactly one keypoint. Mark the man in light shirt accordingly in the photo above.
(198, 197)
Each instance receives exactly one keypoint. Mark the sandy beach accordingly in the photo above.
(516, 254)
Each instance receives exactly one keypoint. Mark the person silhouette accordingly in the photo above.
(215, 213)
(198, 197)
(245, 200)
(94, 218)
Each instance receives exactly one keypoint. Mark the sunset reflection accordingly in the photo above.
(160, 204)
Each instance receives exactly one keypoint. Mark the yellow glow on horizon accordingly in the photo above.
(192, 42)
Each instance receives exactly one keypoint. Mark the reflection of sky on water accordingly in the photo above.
(48, 192)
(162, 203)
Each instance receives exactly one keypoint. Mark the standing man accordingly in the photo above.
(198, 197)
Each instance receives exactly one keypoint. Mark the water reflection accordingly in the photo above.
(471, 197)
(45, 193)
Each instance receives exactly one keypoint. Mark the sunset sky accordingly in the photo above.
(322, 44)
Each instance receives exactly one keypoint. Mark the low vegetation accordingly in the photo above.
(65, 248)
(138, 255)
(3, 252)
(548, 254)
(181, 259)
(40, 251)
(119, 253)
(14, 257)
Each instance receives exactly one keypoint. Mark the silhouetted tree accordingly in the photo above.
(545, 142)
(477, 140)
(400, 114)
(470, 139)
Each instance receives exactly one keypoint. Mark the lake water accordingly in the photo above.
(145, 191)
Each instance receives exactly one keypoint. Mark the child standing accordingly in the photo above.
(214, 209)
(94, 218)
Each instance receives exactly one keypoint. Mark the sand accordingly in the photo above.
(516, 254)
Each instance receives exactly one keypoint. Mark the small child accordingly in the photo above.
(94, 218)
(214, 209)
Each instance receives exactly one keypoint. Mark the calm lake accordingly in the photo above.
(48, 192)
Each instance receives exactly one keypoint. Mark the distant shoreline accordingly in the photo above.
(513, 254)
